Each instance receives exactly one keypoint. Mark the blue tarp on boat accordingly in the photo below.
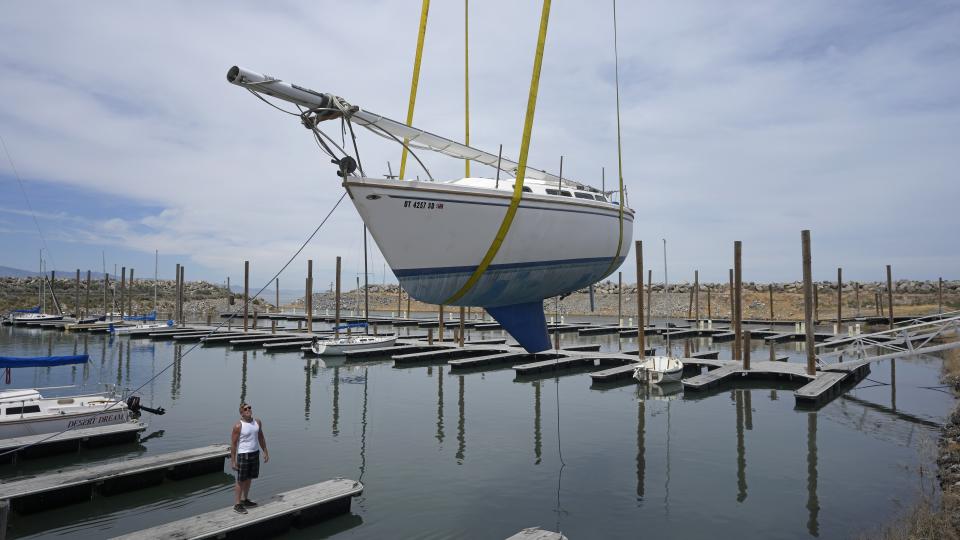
(351, 325)
(152, 316)
(31, 310)
(42, 361)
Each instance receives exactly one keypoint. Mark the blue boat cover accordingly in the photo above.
(31, 310)
(152, 316)
(525, 322)
(351, 325)
(42, 361)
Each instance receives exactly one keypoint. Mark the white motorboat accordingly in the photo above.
(340, 346)
(26, 412)
(24, 318)
(659, 370)
(504, 244)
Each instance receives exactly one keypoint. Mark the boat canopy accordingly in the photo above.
(29, 310)
(152, 316)
(42, 361)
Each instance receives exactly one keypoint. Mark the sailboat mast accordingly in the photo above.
(156, 263)
(666, 298)
(40, 283)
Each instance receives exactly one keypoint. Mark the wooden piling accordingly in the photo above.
(738, 284)
(86, 304)
(430, 336)
(336, 311)
(649, 295)
(839, 299)
(460, 334)
(246, 294)
(277, 290)
(696, 298)
(123, 287)
(816, 302)
(770, 289)
(408, 305)
(638, 247)
(254, 326)
(130, 294)
(940, 297)
(399, 300)
(76, 305)
(308, 298)
(878, 302)
(183, 295)
(856, 293)
(442, 322)
(808, 301)
(745, 347)
(890, 294)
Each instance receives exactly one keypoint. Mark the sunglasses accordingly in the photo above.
(246, 408)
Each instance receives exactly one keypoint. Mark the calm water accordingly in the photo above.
(482, 455)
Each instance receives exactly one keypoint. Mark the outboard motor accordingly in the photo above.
(133, 403)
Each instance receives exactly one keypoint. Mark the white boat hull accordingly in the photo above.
(54, 424)
(339, 347)
(434, 236)
(659, 370)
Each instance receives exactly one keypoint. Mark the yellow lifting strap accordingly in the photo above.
(522, 165)
(416, 79)
(616, 58)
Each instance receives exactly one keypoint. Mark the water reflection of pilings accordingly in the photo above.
(461, 427)
(893, 384)
(813, 503)
(306, 390)
(641, 447)
(537, 435)
(335, 427)
(243, 378)
(127, 365)
(119, 365)
(439, 404)
(175, 378)
(363, 427)
(741, 449)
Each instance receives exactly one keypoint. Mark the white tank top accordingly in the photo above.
(249, 437)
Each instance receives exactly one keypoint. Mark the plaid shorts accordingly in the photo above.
(248, 466)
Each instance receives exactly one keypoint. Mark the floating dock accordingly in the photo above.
(35, 446)
(298, 508)
(49, 491)
(536, 533)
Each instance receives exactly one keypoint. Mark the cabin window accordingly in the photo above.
(600, 198)
(22, 410)
(579, 195)
(553, 191)
(526, 189)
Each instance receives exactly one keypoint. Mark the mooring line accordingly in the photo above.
(212, 331)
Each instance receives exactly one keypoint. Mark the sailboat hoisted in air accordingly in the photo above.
(473, 241)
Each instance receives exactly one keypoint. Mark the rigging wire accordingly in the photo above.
(33, 214)
(232, 316)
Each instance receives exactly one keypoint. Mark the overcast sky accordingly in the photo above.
(741, 121)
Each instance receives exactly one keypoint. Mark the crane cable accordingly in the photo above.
(616, 65)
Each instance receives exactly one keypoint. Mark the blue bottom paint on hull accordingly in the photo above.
(526, 323)
(506, 284)
(515, 291)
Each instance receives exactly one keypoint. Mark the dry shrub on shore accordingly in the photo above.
(922, 521)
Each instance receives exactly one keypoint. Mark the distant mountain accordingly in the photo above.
(6, 271)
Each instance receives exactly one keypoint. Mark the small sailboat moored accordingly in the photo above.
(342, 345)
(659, 370)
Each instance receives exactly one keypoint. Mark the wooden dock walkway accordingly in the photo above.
(48, 491)
(70, 441)
(298, 508)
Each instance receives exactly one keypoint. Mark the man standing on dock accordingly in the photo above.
(245, 443)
